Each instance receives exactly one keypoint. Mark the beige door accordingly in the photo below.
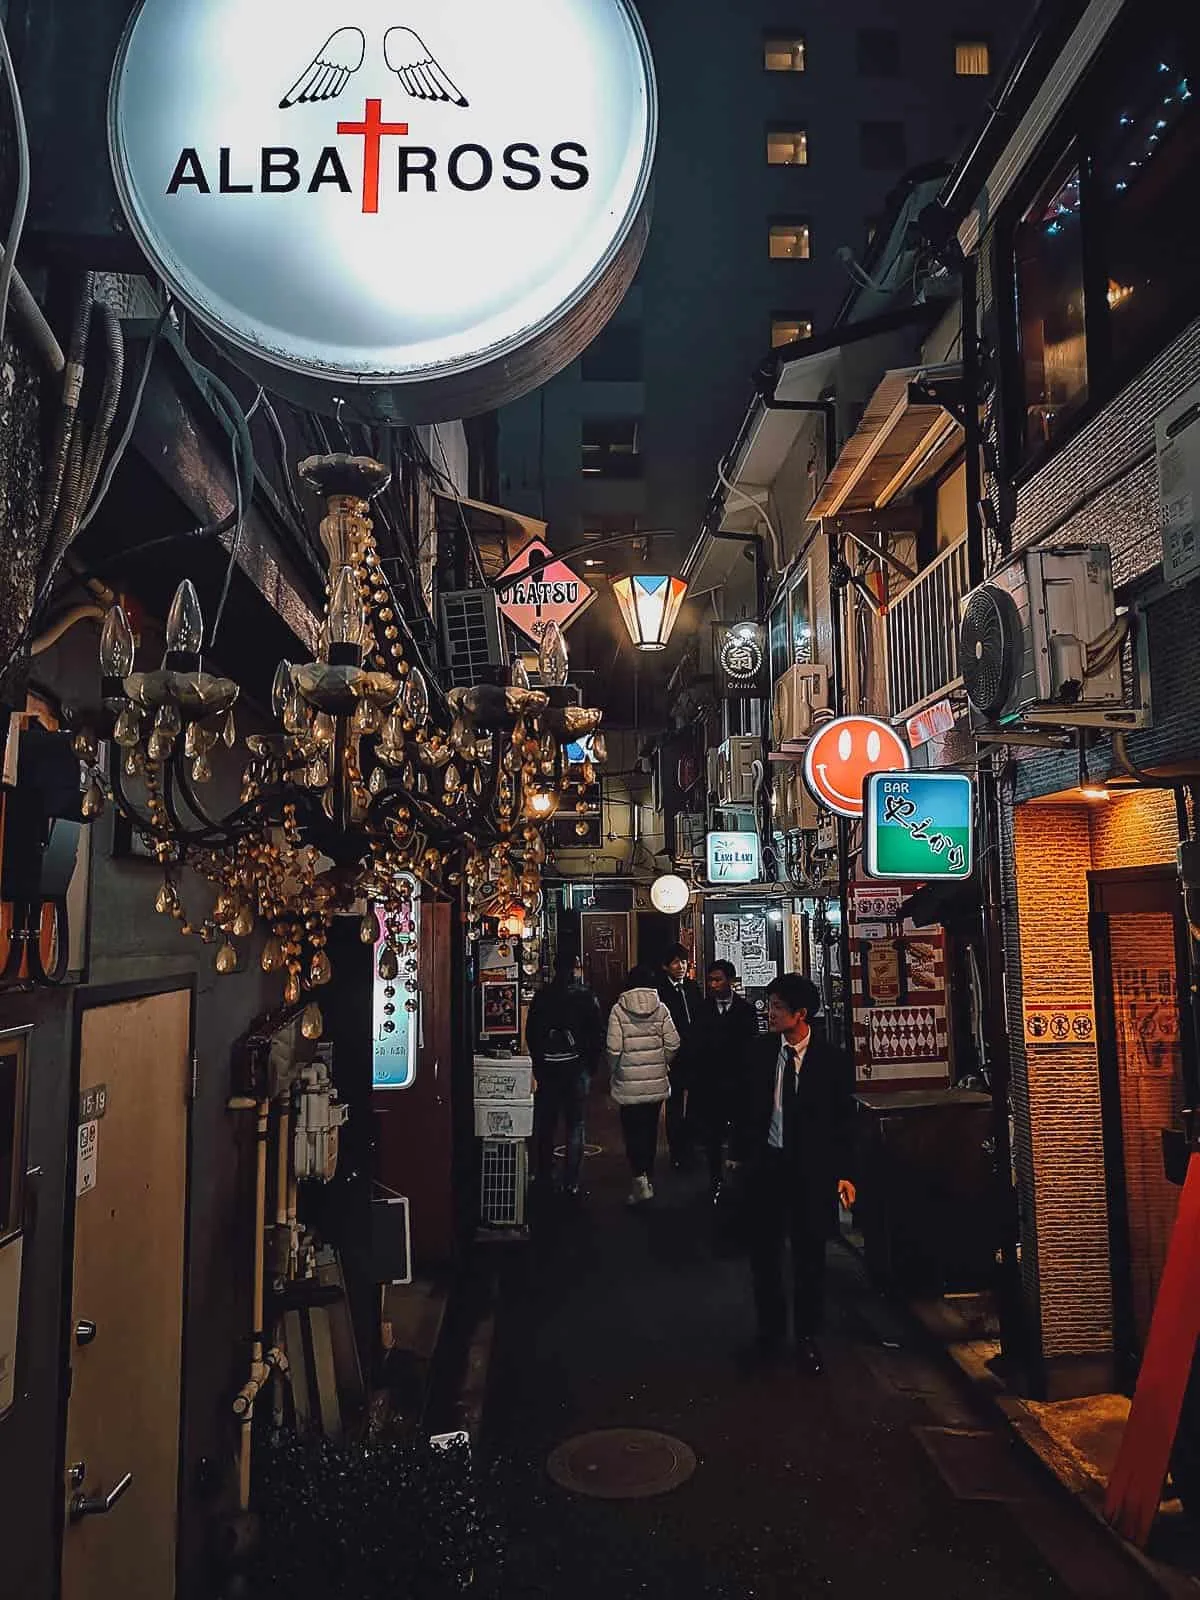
(124, 1407)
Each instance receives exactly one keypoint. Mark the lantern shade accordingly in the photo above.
(649, 607)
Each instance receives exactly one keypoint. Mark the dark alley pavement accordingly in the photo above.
(804, 1486)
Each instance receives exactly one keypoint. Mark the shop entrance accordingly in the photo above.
(121, 1465)
(1139, 958)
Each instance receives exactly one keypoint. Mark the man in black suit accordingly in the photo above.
(792, 1146)
(726, 1029)
(682, 997)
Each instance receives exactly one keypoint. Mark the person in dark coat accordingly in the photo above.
(792, 1149)
(727, 1027)
(683, 999)
(564, 1032)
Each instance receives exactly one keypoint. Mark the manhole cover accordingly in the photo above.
(588, 1149)
(621, 1464)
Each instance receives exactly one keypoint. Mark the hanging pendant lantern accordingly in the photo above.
(650, 607)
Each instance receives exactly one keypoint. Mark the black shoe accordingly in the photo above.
(808, 1358)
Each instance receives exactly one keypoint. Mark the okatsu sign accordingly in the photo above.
(419, 207)
(551, 593)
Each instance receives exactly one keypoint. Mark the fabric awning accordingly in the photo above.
(498, 534)
(901, 441)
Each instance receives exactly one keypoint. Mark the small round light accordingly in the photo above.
(669, 894)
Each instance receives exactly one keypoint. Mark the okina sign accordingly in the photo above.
(421, 208)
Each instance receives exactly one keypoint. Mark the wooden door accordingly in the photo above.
(605, 952)
(1142, 1019)
(123, 1413)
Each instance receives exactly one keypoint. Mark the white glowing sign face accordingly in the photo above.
(395, 1005)
(383, 191)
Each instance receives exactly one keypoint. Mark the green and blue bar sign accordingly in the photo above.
(918, 825)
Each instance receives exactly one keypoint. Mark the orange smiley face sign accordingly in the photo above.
(843, 753)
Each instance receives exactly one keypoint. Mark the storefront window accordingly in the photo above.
(1050, 307)
(1146, 160)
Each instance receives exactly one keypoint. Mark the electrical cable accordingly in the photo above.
(16, 227)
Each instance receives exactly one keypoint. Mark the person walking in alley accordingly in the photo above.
(725, 1030)
(791, 1147)
(682, 997)
(564, 1035)
(641, 1043)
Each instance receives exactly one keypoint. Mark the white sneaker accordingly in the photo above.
(641, 1192)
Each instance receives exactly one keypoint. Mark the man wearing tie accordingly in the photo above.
(683, 999)
(792, 1145)
(728, 1029)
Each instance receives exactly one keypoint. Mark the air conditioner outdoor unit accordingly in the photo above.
(690, 828)
(735, 770)
(470, 636)
(1043, 633)
(798, 695)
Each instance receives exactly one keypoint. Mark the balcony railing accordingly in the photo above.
(922, 634)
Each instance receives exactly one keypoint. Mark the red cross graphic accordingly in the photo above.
(372, 128)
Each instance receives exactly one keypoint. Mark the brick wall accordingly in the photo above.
(1058, 1144)
(1061, 1167)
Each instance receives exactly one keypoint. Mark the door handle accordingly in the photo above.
(85, 1331)
(83, 1505)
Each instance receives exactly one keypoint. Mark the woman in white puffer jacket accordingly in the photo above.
(642, 1042)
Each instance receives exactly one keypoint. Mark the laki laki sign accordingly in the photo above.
(550, 593)
(420, 208)
(918, 826)
(733, 858)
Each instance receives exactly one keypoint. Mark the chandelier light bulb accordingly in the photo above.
(554, 659)
(185, 622)
(281, 688)
(116, 644)
(347, 625)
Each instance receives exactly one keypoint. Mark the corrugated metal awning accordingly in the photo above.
(498, 534)
(901, 441)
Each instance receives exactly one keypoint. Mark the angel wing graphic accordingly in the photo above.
(410, 58)
(407, 55)
(330, 70)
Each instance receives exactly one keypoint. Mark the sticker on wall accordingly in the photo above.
(1059, 1022)
(904, 1033)
(883, 974)
(87, 1161)
(875, 903)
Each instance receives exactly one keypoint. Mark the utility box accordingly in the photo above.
(925, 1189)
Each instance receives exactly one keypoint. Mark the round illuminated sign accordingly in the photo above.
(842, 754)
(419, 207)
(669, 894)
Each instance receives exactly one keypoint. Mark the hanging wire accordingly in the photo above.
(16, 225)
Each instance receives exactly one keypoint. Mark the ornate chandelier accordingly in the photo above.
(373, 779)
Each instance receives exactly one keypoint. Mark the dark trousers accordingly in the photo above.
(561, 1095)
(777, 1213)
(679, 1137)
(708, 1116)
(639, 1124)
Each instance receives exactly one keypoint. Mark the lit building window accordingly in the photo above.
(787, 147)
(790, 241)
(972, 59)
(787, 327)
(783, 53)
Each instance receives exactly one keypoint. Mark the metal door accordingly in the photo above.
(1139, 962)
(121, 1461)
(605, 952)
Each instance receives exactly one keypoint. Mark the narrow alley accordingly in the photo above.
(803, 1486)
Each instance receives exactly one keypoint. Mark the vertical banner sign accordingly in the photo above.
(740, 657)
(918, 826)
(395, 1006)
